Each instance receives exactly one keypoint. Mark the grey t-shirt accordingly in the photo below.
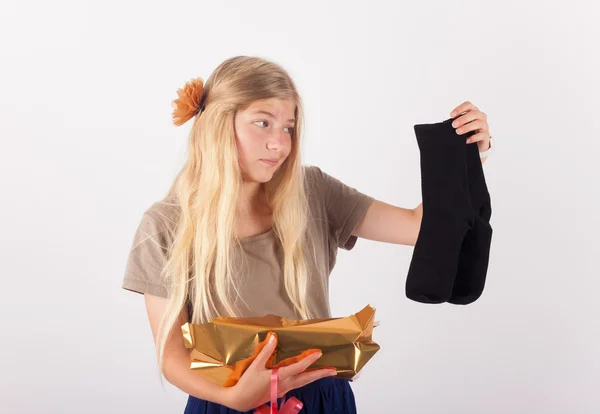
(335, 210)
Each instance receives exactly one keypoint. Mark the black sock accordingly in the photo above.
(447, 214)
(475, 251)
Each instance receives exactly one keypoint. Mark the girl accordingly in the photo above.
(247, 230)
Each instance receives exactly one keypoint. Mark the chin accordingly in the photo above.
(262, 178)
(265, 178)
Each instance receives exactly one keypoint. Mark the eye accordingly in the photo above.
(289, 130)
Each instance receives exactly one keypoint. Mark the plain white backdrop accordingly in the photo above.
(88, 145)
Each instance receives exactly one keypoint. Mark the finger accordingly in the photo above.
(471, 126)
(463, 107)
(267, 350)
(480, 136)
(294, 359)
(299, 366)
(304, 378)
(464, 119)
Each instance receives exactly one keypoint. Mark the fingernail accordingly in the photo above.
(453, 114)
(272, 339)
(319, 355)
(332, 373)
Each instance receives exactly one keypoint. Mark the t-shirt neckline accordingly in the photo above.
(258, 236)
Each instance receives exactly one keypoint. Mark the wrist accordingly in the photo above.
(488, 151)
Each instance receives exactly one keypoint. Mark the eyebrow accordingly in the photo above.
(271, 115)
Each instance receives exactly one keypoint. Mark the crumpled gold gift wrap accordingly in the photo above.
(345, 342)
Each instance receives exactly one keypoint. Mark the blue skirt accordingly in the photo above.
(323, 396)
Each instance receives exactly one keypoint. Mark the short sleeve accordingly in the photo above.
(147, 258)
(344, 205)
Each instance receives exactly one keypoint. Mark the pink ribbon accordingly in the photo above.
(291, 406)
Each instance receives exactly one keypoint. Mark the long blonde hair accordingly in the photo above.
(200, 267)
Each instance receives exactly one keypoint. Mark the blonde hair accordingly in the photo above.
(200, 264)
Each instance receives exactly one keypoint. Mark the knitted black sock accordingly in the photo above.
(447, 214)
(475, 251)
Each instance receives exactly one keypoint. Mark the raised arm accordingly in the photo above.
(390, 224)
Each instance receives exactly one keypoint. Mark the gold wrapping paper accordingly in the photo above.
(345, 342)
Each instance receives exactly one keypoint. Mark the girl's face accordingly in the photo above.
(263, 133)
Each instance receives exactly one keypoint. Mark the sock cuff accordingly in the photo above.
(439, 134)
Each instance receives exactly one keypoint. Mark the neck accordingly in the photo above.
(252, 198)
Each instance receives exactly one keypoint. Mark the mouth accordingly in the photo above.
(272, 163)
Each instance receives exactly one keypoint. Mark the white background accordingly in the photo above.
(88, 145)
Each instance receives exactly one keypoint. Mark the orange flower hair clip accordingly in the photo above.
(190, 101)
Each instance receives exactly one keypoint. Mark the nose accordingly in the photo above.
(276, 140)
